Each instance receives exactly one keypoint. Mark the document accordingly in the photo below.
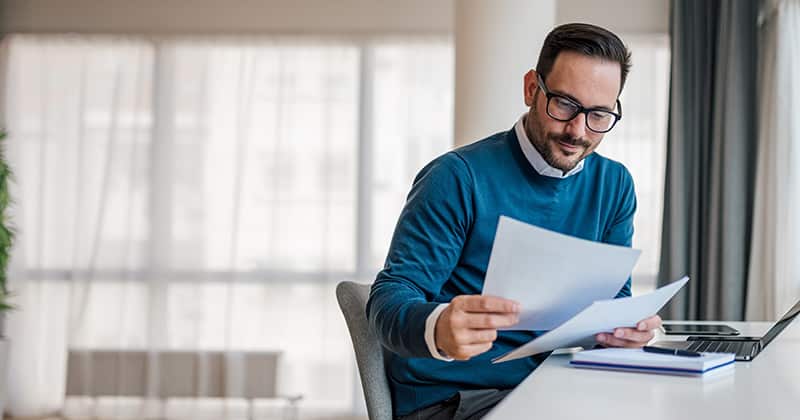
(600, 316)
(553, 276)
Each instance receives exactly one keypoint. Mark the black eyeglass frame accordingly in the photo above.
(579, 109)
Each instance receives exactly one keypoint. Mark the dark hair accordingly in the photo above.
(586, 39)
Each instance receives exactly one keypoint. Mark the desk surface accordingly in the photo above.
(768, 387)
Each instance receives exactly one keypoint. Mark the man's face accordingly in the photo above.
(589, 81)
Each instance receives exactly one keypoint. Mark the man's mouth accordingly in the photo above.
(569, 148)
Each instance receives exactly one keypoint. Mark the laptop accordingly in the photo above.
(745, 348)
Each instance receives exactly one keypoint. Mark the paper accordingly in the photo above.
(601, 316)
(553, 276)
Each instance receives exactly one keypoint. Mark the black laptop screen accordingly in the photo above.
(780, 325)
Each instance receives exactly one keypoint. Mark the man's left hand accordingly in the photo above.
(631, 337)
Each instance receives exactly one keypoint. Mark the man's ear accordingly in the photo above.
(531, 85)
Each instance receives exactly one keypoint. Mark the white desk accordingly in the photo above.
(766, 388)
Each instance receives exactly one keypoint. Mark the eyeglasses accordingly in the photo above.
(564, 109)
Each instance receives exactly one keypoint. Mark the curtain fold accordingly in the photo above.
(710, 157)
(774, 277)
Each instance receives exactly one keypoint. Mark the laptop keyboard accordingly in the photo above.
(741, 348)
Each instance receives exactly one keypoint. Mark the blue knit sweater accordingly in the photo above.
(441, 247)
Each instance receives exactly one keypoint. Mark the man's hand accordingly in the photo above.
(631, 337)
(468, 326)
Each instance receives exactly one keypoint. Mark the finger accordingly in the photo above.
(631, 334)
(468, 351)
(478, 303)
(490, 321)
(481, 336)
(609, 340)
(649, 323)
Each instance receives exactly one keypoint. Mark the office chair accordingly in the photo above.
(352, 299)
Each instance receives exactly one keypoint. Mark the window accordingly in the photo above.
(209, 194)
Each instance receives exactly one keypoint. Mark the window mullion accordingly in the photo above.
(160, 195)
(365, 180)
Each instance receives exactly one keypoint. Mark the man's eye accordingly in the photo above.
(600, 116)
(565, 103)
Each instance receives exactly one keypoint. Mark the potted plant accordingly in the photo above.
(6, 237)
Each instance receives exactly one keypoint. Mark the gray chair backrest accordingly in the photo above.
(352, 299)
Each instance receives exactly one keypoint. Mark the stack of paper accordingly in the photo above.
(640, 361)
(565, 285)
(553, 276)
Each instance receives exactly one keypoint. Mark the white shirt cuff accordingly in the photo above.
(430, 336)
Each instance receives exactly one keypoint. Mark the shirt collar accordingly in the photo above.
(535, 158)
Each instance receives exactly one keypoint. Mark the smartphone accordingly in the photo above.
(696, 329)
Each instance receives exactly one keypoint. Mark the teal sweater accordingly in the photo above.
(441, 247)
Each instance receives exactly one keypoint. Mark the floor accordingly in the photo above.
(64, 418)
(131, 408)
(211, 409)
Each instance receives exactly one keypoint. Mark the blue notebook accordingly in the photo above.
(637, 360)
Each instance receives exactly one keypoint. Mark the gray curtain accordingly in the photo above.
(711, 156)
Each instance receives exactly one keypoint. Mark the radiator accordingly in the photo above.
(174, 374)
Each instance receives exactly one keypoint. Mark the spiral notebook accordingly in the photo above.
(637, 360)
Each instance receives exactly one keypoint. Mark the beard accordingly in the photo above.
(547, 145)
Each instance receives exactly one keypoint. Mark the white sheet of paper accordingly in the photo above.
(600, 316)
(553, 276)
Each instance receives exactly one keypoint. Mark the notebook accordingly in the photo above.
(637, 360)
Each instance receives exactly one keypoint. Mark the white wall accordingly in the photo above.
(298, 16)
(227, 16)
(495, 44)
(620, 16)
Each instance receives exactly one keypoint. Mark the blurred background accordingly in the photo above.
(195, 176)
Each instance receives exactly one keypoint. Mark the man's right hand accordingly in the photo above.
(468, 326)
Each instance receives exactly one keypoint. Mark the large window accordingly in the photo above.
(208, 195)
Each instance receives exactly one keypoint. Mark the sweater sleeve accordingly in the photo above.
(620, 231)
(425, 249)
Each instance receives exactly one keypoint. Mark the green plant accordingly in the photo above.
(6, 233)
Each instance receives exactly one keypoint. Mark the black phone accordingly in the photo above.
(697, 329)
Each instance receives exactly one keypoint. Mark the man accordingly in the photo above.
(426, 305)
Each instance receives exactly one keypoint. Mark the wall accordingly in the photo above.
(621, 16)
(296, 16)
(228, 16)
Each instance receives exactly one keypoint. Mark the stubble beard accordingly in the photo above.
(546, 142)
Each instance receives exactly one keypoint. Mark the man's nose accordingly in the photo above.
(576, 127)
